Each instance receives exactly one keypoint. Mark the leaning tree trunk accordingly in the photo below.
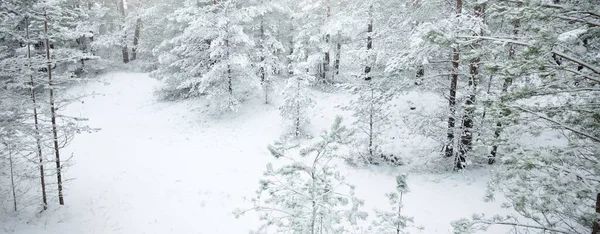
(466, 138)
(136, 39)
(449, 148)
(53, 115)
(125, 50)
(35, 120)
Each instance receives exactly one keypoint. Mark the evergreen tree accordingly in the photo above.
(371, 110)
(305, 194)
(390, 222)
(297, 100)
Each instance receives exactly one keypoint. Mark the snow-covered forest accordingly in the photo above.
(300, 116)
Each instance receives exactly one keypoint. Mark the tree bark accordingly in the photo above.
(297, 108)
(125, 50)
(338, 55)
(369, 44)
(53, 115)
(371, 122)
(12, 177)
(467, 123)
(262, 52)
(327, 59)
(136, 39)
(449, 148)
(596, 229)
(35, 121)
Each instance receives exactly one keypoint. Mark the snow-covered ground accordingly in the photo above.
(165, 167)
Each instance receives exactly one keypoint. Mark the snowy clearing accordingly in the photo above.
(160, 167)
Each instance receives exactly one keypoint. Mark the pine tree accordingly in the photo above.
(304, 195)
(266, 16)
(394, 222)
(297, 101)
(371, 110)
(551, 74)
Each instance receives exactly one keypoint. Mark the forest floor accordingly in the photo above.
(169, 167)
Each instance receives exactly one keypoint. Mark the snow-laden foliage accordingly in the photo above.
(371, 110)
(393, 221)
(297, 101)
(306, 194)
(549, 86)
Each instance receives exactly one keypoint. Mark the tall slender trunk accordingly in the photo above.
(371, 121)
(262, 52)
(297, 108)
(136, 39)
(596, 229)
(12, 177)
(290, 60)
(467, 122)
(449, 148)
(338, 55)
(229, 72)
(505, 85)
(35, 120)
(125, 50)
(313, 196)
(398, 228)
(53, 115)
(369, 44)
(327, 59)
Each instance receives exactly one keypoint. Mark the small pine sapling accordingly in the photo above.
(371, 111)
(307, 195)
(393, 222)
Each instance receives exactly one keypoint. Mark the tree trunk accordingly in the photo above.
(229, 72)
(596, 229)
(371, 121)
(327, 59)
(12, 177)
(338, 54)
(505, 85)
(35, 121)
(262, 53)
(125, 50)
(313, 196)
(398, 228)
(369, 44)
(449, 149)
(420, 75)
(290, 60)
(136, 39)
(467, 123)
(53, 115)
(297, 108)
